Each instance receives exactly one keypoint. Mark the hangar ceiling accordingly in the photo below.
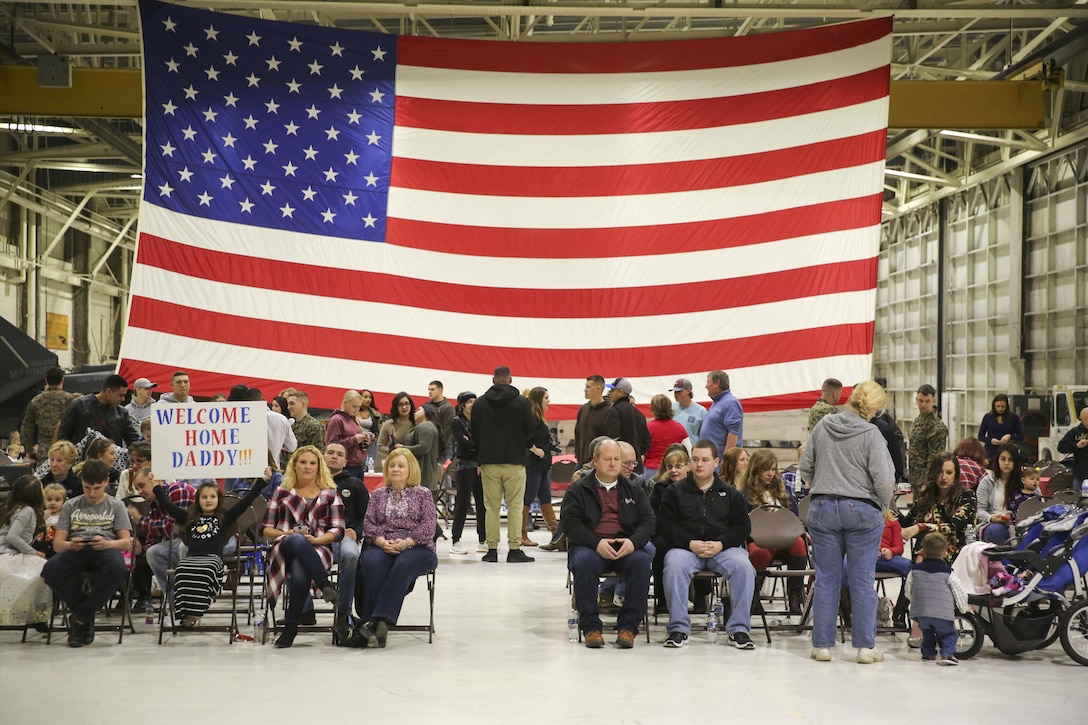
(84, 173)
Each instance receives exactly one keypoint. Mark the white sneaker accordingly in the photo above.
(458, 549)
(869, 655)
(617, 600)
(481, 548)
(821, 654)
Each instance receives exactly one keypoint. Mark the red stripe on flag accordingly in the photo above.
(655, 56)
(556, 120)
(740, 231)
(837, 340)
(525, 303)
(639, 178)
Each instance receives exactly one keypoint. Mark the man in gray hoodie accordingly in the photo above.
(848, 466)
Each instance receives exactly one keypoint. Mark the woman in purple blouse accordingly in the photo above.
(399, 534)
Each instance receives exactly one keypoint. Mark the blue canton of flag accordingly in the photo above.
(267, 124)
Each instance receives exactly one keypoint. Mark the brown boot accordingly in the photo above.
(525, 540)
(560, 545)
(548, 512)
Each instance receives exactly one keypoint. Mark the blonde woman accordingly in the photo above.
(304, 518)
(343, 428)
(399, 530)
(62, 459)
(851, 471)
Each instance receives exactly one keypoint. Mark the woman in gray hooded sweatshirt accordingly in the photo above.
(847, 463)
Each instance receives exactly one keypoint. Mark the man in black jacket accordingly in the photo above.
(502, 422)
(101, 411)
(355, 497)
(608, 521)
(633, 428)
(704, 522)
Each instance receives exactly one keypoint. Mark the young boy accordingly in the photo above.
(1029, 488)
(935, 596)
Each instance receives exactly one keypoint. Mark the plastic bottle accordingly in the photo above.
(1084, 488)
(370, 464)
(711, 628)
(258, 629)
(969, 536)
(719, 614)
(149, 614)
(572, 626)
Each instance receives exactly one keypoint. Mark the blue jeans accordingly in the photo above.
(538, 486)
(387, 578)
(937, 631)
(734, 566)
(995, 533)
(897, 565)
(586, 566)
(346, 552)
(61, 574)
(844, 527)
(303, 566)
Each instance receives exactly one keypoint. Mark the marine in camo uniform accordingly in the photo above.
(928, 436)
(44, 413)
(830, 392)
(308, 429)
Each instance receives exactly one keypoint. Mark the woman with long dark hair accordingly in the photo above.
(994, 491)
(1000, 426)
(423, 441)
(942, 505)
(467, 476)
(538, 467)
(402, 418)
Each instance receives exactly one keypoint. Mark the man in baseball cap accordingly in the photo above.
(632, 422)
(688, 413)
(140, 406)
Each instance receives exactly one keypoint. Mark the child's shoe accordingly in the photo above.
(949, 661)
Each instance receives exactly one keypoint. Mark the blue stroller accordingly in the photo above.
(1052, 602)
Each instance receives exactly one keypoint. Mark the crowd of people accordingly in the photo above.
(670, 496)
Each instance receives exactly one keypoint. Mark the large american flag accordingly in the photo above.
(335, 209)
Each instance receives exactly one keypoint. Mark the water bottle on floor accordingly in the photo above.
(572, 626)
(258, 630)
(149, 614)
(711, 628)
(719, 614)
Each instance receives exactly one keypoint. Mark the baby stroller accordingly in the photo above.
(1051, 559)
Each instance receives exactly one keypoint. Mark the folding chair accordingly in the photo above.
(607, 574)
(429, 627)
(775, 529)
(125, 602)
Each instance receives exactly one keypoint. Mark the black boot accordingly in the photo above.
(795, 585)
(341, 629)
(844, 607)
(757, 600)
(287, 636)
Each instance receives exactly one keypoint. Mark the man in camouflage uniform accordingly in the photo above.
(43, 414)
(928, 437)
(830, 392)
(308, 429)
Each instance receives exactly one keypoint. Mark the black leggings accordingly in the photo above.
(469, 487)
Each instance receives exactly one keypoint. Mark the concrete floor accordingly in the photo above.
(501, 655)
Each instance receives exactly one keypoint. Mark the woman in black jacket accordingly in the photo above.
(538, 467)
(467, 477)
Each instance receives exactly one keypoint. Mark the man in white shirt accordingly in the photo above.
(280, 435)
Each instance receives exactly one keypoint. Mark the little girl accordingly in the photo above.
(24, 596)
(198, 578)
(1029, 488)
(890, 559)
(55, 496)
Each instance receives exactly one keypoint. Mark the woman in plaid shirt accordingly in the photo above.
(305, 516)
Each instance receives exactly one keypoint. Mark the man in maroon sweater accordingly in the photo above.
(608, 521)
